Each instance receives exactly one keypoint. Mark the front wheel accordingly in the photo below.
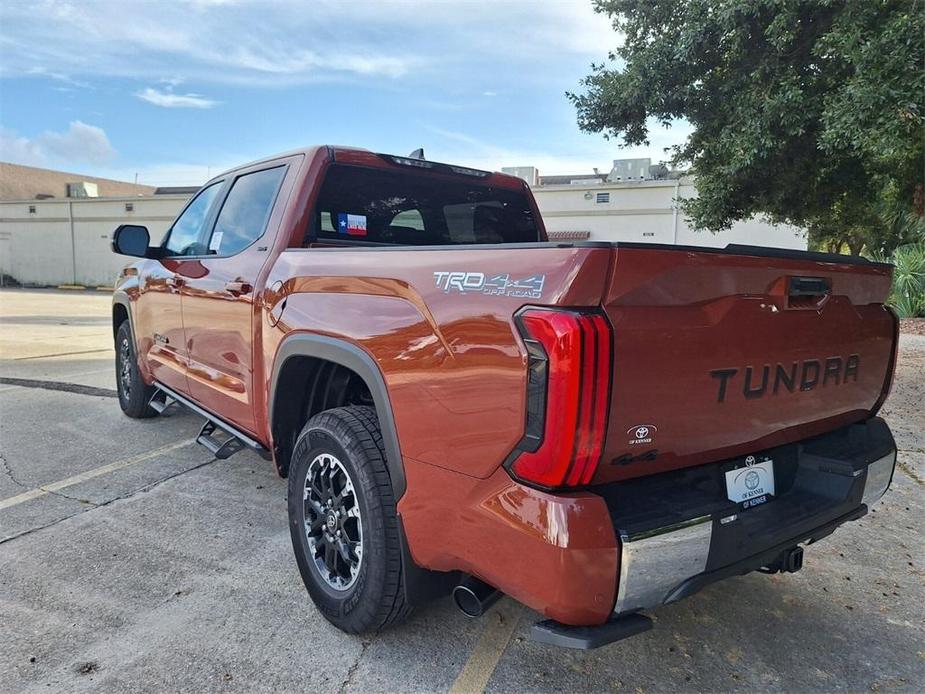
(134, 393)
(343, 521)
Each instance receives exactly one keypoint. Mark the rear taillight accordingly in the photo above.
(568, 384)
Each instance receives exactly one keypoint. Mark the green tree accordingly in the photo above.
(808, 112)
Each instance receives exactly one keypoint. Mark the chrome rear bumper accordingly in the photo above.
(654, 563)
(668, 563)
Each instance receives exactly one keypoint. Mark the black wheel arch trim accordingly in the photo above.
(361, 363)
(121, 298)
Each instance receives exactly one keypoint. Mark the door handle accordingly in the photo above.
(174, 282)
(238, 287)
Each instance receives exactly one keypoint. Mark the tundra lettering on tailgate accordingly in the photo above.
(802, 375)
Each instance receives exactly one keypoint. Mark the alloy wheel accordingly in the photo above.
(125, 368)
(333, 525)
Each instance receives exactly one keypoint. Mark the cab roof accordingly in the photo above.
(358, 156)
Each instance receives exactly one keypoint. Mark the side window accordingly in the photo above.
(410, 219)
(186, 233)
(246, 210)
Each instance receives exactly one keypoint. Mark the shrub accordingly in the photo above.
(907, 296)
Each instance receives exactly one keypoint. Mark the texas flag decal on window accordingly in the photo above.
(353, 224)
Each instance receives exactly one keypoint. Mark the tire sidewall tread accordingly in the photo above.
(376, 599)
(136, 405)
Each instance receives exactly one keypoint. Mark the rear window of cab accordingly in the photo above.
(384, 206)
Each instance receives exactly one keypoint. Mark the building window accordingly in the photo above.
(129, 207)
(31, 209)
(602, 197)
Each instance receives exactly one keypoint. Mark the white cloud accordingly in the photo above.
(168, 99)
(254, 43)
(281, 42)
(79, 144)
(19, 150)
(45, 151)
(58, 77)
(460, 148)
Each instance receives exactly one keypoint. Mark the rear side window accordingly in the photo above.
(246, 210)
(411, 208)
(186, 233)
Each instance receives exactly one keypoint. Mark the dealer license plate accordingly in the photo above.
(752, 484)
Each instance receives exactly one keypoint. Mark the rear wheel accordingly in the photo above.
(134, 393)
(343, 521)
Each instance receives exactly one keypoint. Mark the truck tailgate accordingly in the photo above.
(719, 354)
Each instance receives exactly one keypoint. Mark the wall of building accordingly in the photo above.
(66, 241)
(645, 211)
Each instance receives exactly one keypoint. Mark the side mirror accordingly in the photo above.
(131, 239)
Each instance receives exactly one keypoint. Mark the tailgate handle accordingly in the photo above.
(808, 286)
(807, 292)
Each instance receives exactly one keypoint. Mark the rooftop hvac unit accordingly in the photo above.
(82, 189)
(630, 170)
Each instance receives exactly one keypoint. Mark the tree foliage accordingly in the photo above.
(807, 112)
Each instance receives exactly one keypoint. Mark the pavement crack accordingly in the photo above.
(94, 506)
(909, 471)
(62, 495)
(5, 466)
(59, 385)
(353, 668)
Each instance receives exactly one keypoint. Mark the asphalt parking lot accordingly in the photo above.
(130, 560)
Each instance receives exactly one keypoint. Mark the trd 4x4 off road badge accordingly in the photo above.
(641, 433)
(493, 285)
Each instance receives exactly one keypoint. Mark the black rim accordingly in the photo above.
(333, 525)
(125, 368)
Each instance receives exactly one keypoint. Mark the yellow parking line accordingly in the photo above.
(44, 489)
(484, 658)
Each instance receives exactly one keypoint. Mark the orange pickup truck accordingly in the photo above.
(461, 406)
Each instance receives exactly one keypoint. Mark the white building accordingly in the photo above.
(66, 240)
(626, 206)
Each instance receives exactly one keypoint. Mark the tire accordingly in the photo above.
(364, 592)
(134, 393)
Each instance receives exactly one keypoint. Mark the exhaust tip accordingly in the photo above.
(467, 601)
(473, 597)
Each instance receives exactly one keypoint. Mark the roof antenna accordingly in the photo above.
(417, 154)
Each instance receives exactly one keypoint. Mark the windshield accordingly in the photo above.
(411, 208)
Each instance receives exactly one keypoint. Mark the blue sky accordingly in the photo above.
(174, 91)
